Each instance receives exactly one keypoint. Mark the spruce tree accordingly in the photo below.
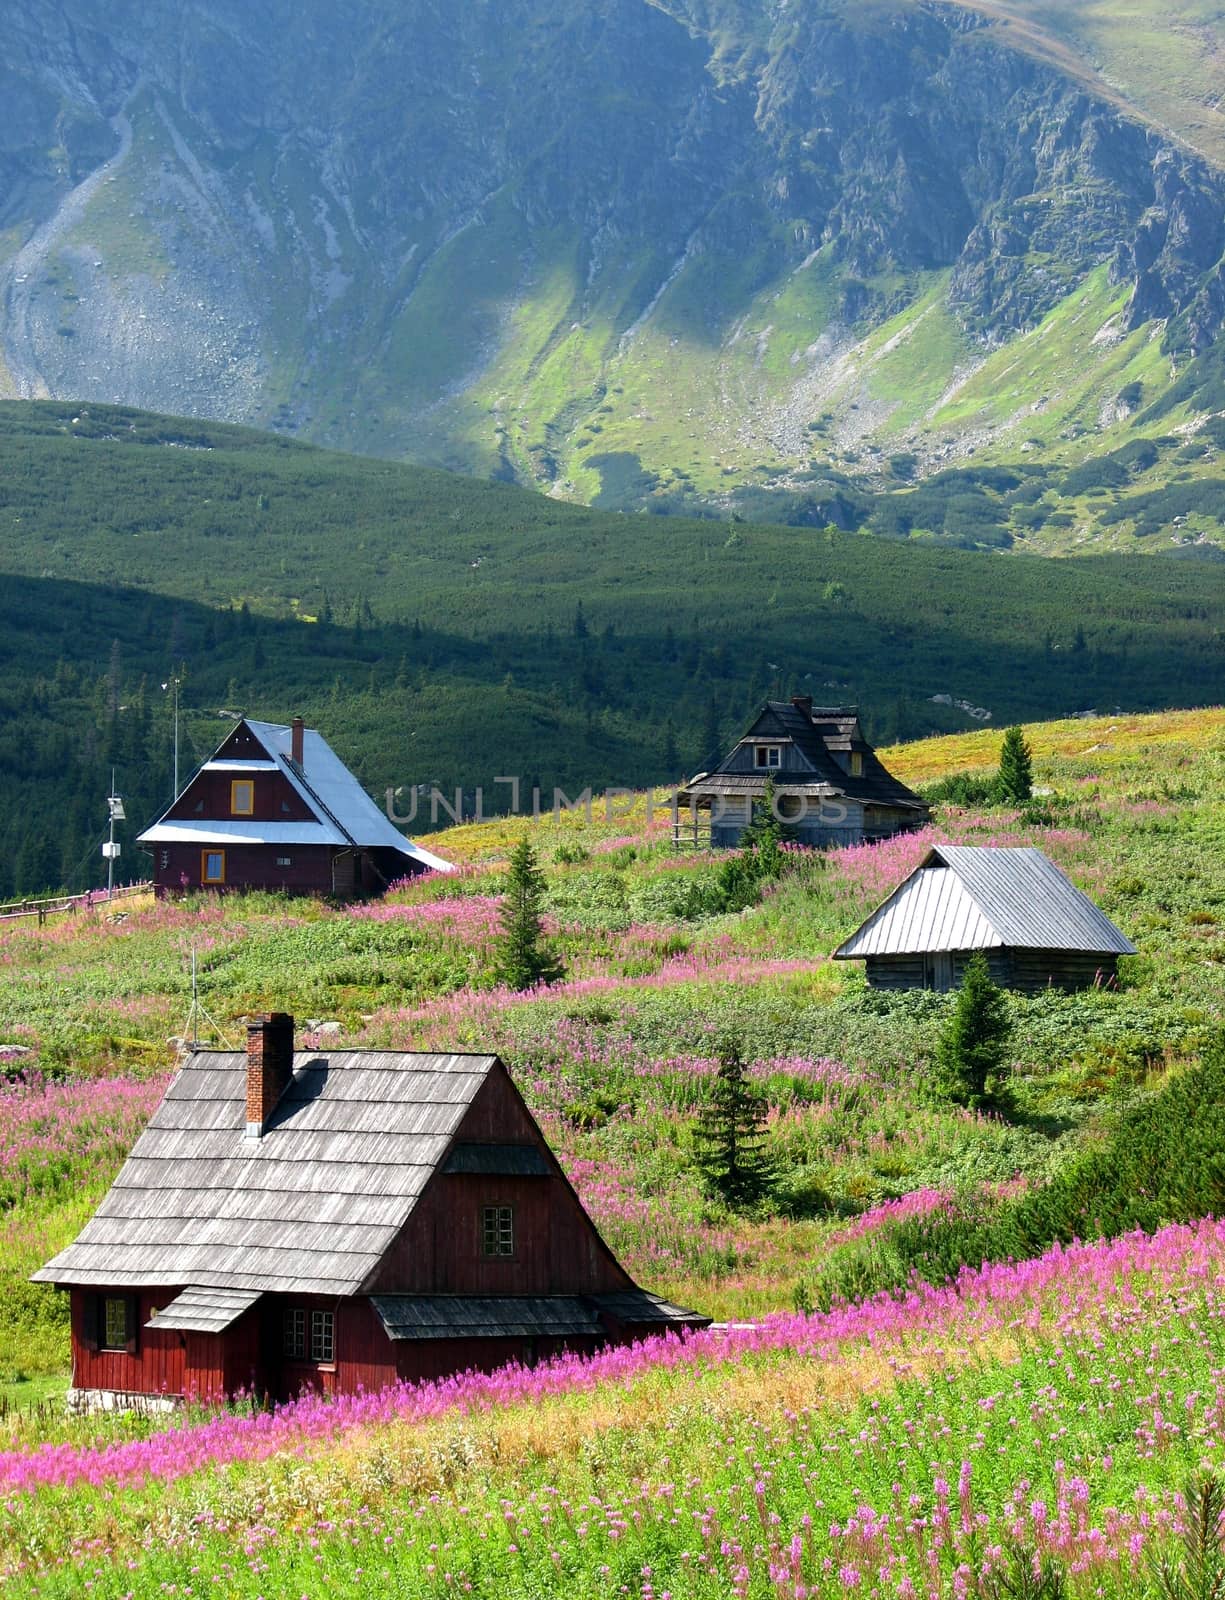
(523, 959)
(729, 1137)
(970, 1053)
(1016, 775)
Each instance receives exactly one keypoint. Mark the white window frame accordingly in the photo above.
(767, 757)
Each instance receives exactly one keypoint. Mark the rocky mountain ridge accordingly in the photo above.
(630, 252)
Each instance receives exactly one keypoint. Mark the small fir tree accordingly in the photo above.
(729, 1137)
(1016, 776)
(970, 1054)
(523, 958)
(741, 877)
(765, 834)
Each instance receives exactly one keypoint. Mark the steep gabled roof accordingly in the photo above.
(980, 897)
(814, 734)
(344, 814)
(309, 1208)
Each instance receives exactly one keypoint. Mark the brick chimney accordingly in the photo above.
(269, 1066)
(297, 740)
(802, 702)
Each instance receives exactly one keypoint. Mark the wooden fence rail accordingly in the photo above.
(56, 905)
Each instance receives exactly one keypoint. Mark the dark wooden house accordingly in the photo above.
(1035, 927)
(831, 787)
(276, 808)
(333, 1222)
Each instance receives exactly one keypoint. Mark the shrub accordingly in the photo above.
(961, 789)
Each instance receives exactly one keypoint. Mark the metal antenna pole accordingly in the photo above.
(110, 854)
(197, 1013)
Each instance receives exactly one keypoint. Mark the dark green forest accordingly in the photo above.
(441, 630)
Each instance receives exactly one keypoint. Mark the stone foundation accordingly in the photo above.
(83, 1401)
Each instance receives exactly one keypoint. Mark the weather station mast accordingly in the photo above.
(111, 849)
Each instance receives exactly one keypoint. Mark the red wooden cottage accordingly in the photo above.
(337, 1221)
(276, 808)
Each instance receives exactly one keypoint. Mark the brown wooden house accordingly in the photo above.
(276, 808)
(337, 1221)
(1035, 927)
(830, 786)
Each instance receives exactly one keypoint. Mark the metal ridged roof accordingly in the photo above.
(311, 1207)
(973, 897)
(224, 831)
(323, 779)
(345, 814)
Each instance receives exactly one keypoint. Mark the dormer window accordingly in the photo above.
(768, 756)
(856, 764)
(242, 797)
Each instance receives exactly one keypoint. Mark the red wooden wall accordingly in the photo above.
(557, 1249)
(156, 1367)
(207, 797)
(248, 866)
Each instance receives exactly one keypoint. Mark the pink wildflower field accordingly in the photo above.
(912, 1445)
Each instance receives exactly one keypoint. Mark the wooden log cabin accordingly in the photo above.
(275, 808)
(830, 786)
(1036, 928)
(294, 1221)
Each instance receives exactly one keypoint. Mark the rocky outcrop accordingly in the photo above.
(330, 210)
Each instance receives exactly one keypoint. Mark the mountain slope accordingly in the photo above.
(632, 253)
(444, 631)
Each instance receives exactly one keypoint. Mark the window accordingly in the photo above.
(116, 1320)
(856, 764)
(768, 755)
(242, 797)
(308, 1335)
(498, 1231)
(284, 861)
(212, 866)
(323, 1335)
(293, 1343)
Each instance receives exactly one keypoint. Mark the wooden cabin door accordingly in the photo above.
(938, 972)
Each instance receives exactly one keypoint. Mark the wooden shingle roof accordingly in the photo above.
(310, 1207)
(818, 735)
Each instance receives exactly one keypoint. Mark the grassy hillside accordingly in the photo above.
(441, 630)
(615, 1056)
(1023, 1384)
